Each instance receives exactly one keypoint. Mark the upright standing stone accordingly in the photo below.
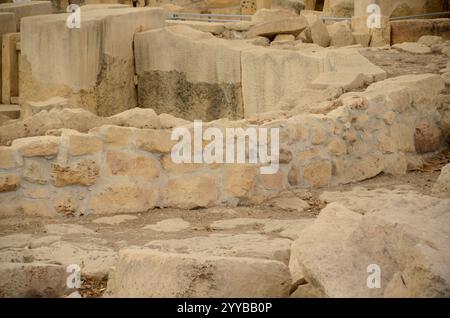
(92, 65)
(10, 67)
(7, 25)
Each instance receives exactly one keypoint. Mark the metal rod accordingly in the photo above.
(420, 15)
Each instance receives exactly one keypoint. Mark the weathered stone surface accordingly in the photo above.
(31, 108)
(9, 182)
(293, 25)
(84, 172)
(116, 219)
(340, 34)
(36, 172)
(26, 9)
(281, 39)
(7, 158)
(240, 245)
(239, 180)
(136, 117)
(205, 86)
(412, 30)
(192, 192)
(122, 198)
(156, 141)
(362, 38)
(67, 229)
(285, 228)
(41, 146)
(15, 240)
(339, 8)
(396, 8)
(181, 275)
(211, 27)
(80, 144)
(94, 260)
(317, 31)
(169, 225)
(430, 40)
(317, 174)
(99, 78)
(411, 47)
(359, 229)
(37, 125)
(133, 166)
(292, 203)
(427, 138)
(442, 185)
(32, 280)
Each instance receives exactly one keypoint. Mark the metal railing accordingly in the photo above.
(206, 17)
(238, 17)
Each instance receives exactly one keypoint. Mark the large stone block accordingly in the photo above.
(26, 9)
(412, 30)
(10, 67)
(397, 8)
(189, 73)
(32, 280)
(92, 65)
(7, 25)
(182, 275)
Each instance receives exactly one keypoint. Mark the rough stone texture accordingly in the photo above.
(7, 25)
(317, 31)
(116, 219)
(181, 275)
(412, 30)
(362, 134)
(9, 182)
(415, 48)
(240, 245)
(396, 8)
(211, 27)
(26, 9)
(271, 28)
(340, 34)
(32, 280)
(101, 78)
(84, 172)
(200, 81)
(376, 227)
(189, 193)
(339, 8)
(442, 186)
(169, 225)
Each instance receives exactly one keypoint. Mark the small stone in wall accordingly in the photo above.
(9, 182)
(317, 174)
(427, 138)
(84, 172)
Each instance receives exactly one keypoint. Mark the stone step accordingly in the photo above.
(12, 111)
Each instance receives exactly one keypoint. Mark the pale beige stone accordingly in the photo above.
(36, 172)
(41, 146)
(122, 198)
(239, 180)
(84, 172)
(412, 47)
(9, 182)
(235, 245)
(169, 225)
(134, 166)
(182, 275)
(317, 174)
(116, 219)
(158, 141)
(442, 185)
(7, 160)
(78, 144)
(189, 192)
(32, 280)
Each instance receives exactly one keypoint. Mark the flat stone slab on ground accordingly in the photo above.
(169, 225)
(116, 219)
(236, 245)
(190, 276)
